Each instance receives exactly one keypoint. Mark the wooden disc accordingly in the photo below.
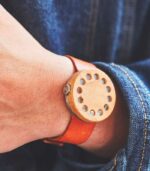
(90, 94)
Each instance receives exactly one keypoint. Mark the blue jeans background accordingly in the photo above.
(115, 36)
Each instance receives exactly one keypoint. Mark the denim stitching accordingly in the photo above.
(114, 164)
(145, 114)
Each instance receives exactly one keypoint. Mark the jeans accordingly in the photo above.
(115, 36)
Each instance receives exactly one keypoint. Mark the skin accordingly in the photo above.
(32, 105)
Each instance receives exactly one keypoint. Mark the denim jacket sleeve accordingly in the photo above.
(134, 82)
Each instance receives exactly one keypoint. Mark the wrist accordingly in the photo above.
(55, 115)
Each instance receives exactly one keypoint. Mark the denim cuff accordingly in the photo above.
(137, 97)
(135, 94)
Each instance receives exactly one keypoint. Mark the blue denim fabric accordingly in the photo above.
(115, 36)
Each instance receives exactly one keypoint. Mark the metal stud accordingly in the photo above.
(67, 89)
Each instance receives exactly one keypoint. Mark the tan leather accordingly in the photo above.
(90, 95)
(80, 65)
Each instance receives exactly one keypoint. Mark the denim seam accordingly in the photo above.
(114, 164)
(145, 113)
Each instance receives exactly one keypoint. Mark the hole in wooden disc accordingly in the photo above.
(82, 81)
(109, 98)
(79, 90)
(88, 76)
(108, 89)
(99, 112)
(103, 81)
(96, 76)
(80, 100)
(92, 112)
(106, 107)
(85, 108)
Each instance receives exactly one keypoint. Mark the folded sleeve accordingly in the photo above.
(134, 83)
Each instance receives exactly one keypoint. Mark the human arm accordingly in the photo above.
(31, 73)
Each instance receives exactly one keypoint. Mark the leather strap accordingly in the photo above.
(80, 65)
(77, 131)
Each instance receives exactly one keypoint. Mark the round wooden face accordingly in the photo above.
(90, 94)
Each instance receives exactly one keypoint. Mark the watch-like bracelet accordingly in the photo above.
(90, 96)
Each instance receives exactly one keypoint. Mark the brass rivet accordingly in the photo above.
(67, 89)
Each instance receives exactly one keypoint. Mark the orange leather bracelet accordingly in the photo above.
(90, 96)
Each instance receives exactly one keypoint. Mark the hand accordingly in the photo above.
(29, 94)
